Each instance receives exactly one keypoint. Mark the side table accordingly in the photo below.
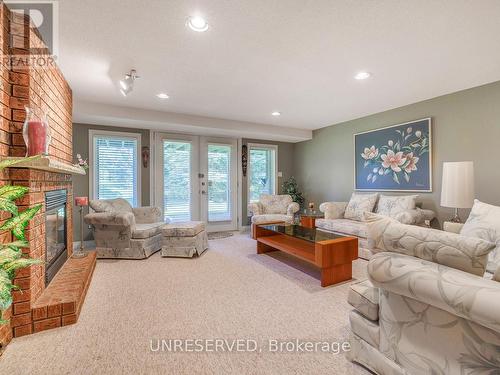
(308, 220)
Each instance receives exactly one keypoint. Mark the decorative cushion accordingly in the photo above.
(364, 297)
(110, 205)
(345, 226)
(185, 229)
(359, 204)
(394, 205)
(468, 254)
(275, 204)
(259, 219)
(147, 230)
(484, 222)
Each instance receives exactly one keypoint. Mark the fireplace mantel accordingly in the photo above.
(46, 163)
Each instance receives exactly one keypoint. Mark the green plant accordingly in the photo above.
(11, 256)
(291, 188)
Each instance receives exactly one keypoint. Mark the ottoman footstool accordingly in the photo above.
(185, 239)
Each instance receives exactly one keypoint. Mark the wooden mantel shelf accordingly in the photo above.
(46, 163)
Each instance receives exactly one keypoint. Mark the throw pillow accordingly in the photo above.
(359, 204)
(450, 249)
(484, 223)
(394, 205)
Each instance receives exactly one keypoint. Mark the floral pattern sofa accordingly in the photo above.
(347, 217)
(121, 231)
(273, 208)
(428, 307)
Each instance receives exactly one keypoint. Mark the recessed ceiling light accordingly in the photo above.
(276, 113)
(162, 95)
(362, 75)
(197, 23)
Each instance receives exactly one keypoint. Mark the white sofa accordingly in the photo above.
(335, 221)
(428, 306)
(273, 208)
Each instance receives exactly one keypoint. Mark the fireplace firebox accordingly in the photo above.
(55, 232)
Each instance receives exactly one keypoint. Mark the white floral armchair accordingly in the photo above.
(273, 208)
(426, 308)
(121, 231)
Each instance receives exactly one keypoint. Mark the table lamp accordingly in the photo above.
(81, 202)
(458, 186)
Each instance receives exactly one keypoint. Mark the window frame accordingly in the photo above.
(249, 166)
(118, 135)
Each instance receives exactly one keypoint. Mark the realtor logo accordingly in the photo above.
(44, 16)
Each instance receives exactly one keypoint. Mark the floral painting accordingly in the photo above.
(396, 158)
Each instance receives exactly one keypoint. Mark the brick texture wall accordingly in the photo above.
(45, 89)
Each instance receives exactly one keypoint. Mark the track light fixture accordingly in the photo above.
(127, 84)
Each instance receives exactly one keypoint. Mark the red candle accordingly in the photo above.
(81, 201)
(37, 138)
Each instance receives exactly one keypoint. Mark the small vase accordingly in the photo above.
(36, 133)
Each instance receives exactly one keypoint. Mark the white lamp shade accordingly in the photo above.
(458, 185)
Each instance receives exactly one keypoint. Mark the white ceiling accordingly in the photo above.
(294, 56)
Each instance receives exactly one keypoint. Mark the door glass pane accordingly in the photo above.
(262, 173)
(219, 183)
(177, 180)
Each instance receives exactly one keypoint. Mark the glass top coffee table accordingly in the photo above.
(332, 253)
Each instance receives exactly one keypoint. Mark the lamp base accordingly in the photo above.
(456, 218)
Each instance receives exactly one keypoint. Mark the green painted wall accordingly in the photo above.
(466, 126)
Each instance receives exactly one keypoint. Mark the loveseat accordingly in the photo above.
(428, 306)
(347, 217)
(121, 231)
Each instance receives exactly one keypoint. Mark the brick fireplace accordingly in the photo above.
(38, 306)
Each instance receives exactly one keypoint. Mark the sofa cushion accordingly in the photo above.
(393, 205)
(184, 229)
(364, 297)
(359, 204)
(275, 204)
(147, 230)
(259, 219)
(484, 222)
(453, 250)
(345, 226)
(110, 205)
(365, 328)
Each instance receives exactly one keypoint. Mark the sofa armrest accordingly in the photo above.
(255, 208)
(451, 227)
(118, 219)
(147, 215)
(333, 210)
(292, 208)
(415, 217)
(459, 293)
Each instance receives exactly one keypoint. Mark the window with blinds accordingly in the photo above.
(262, 171)
(115, 170)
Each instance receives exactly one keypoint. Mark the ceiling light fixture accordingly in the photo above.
(162, 95)
(276, 114)
(197, 23)
(362, 75)
(127, 84)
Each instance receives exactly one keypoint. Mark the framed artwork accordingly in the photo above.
(395, 158)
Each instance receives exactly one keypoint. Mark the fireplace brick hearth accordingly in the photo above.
(38, 307)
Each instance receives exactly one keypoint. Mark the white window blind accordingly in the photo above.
(262, 171)
(115, 168)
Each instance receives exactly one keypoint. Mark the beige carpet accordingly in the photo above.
(230, 293)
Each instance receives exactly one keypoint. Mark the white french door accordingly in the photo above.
(196, 179)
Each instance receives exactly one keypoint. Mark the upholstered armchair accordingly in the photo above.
(426, 307)
(273, 208)
(121, 231)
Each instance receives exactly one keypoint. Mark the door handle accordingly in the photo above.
(203, 192)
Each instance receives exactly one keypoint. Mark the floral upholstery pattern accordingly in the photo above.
(185, 239)
(464, 253)
(359, 204)
(345, 226)
(484, 222)
(433, 319)
(364, 297)
(273, 208)
(393, 205)
(333, 210)
(121, 231)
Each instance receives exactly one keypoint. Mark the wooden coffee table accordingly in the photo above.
(332, 253)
